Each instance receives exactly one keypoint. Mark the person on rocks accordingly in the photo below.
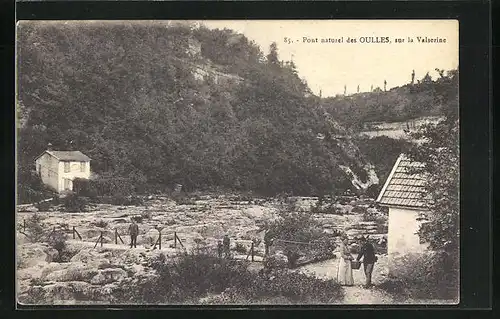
(219, 249)
(268, 241)
(369, 259)
(133, 230)
(226, 243)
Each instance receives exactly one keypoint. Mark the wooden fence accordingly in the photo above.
(178, 243)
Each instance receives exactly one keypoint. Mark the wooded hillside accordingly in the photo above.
(127, 95)
(426, 97)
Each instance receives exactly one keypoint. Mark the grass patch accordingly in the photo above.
(424, 276)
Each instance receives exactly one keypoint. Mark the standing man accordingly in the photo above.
(226, 244)
(219, 249)
(133, 230)
(268, 241)
(368, 252)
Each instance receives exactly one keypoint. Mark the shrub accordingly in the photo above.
(43, 206)
(299, 227)
(57, 240)
(432, 275)
(84, 187)
(240, 248)
(146, 215)
(137, 219)
(75, 203)
(293, 256)
(359, 210)
(34, 229)
(183, 200)
(188, 278)
(193, 276)
(30, 188)
(373, 190)
(100, 223)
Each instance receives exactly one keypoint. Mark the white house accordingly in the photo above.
(57, 169)
(402, 194)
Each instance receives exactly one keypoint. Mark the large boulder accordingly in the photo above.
(106, 276)
(31, 254)
(58, 292)
(75, 272)
(92, 256)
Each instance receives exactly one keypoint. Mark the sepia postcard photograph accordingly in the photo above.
(237, 162)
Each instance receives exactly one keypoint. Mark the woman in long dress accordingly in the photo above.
(344, 272)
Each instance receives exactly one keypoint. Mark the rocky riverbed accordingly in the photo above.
(91, 275)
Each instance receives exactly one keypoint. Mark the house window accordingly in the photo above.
(66, 167)
(67, 183)
(82, 167)
(39, 169)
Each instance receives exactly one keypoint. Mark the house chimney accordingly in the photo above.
(49, 147)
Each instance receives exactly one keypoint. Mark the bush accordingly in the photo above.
(293, 256)
(146, 215)
(300, 227)
(373, 190)
(100, 223)
(425, 276)
(57, 240)
(183, 200)
(359, 210)
(188, 278)
(240, 248)
(34, 229)
(43, 206)
(85, 188)
(30, 188)
(193, 276)
(137, 219)
(75, 203)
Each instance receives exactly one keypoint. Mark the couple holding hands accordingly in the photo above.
(347, 261)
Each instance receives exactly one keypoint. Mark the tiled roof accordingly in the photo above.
(76, 156)
(403, 187)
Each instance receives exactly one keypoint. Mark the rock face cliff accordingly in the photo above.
(158, 104)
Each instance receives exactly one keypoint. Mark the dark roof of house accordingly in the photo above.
(76, 156)
(403, 187)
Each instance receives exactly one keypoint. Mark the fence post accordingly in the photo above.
(74, 237)
(116, 237)
(175, 239)
(252, 251)
(101, 237)
(24, 225)
(159, 239)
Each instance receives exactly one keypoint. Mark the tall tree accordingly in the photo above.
(272, 57)
(439, 152)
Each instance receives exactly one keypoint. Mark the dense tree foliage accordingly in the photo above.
(159, 105)
(382, 152)
(439, 152)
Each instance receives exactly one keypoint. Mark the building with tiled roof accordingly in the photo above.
(58, 169)
(404, 194)
(403, 187)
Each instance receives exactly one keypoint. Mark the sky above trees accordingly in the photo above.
(330, 66)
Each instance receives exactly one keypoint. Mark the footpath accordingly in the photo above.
(356, 294)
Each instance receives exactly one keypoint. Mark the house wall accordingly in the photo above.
(47, 167)
(74, 172)
(402, 237)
